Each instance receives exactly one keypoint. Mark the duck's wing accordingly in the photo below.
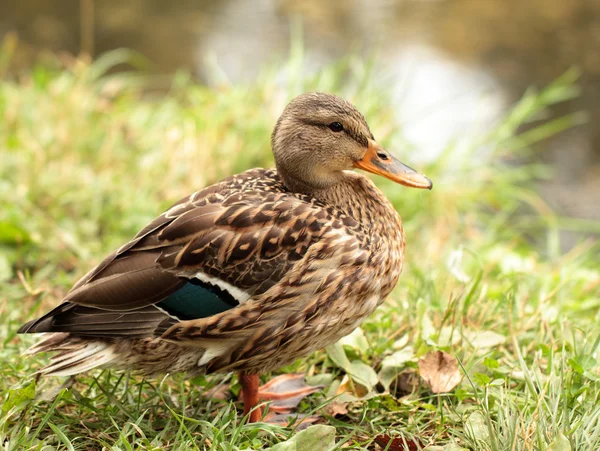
(208, 253)
(322, 298)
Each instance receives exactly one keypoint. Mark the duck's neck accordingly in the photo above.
(357, 196)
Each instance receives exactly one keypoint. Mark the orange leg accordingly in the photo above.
(285, 392)
(250, 396)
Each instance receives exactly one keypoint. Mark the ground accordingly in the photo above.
(90, 155)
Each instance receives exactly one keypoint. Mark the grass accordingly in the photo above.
(88, 157)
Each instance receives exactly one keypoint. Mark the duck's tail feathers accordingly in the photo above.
(75, 354)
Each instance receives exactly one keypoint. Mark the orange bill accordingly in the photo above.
(379, 161)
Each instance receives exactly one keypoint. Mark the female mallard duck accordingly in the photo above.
(251, 273)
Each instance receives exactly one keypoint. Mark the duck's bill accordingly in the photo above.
(379, 161)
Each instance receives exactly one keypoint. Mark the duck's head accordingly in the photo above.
(319, 136)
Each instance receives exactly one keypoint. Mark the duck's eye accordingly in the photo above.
(336, 126)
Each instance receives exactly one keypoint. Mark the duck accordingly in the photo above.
(251, 273)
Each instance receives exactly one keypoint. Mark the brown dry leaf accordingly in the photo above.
(397, 443)
(440, 370)
(353, 387)
(336, 409)
(406, 383)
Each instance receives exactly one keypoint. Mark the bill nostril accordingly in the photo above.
(382, 155)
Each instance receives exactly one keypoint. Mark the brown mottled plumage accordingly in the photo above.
(293, 258)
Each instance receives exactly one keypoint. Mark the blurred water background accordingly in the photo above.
(453, 66)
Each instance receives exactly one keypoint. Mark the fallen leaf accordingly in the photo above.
(351, 387)
(560, 443)
(485, 339)
(314, 437)
(397, 443)
(406, 382)
(324, 379)
(448, 336)
(363, 374)
(440, 370)
(356, 340)
(336, 409)
(476, 427)
(401, 342)
(392, 364)
(337, 354)
(454, 447)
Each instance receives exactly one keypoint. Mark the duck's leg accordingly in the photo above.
(250, 396)
(285, 393)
